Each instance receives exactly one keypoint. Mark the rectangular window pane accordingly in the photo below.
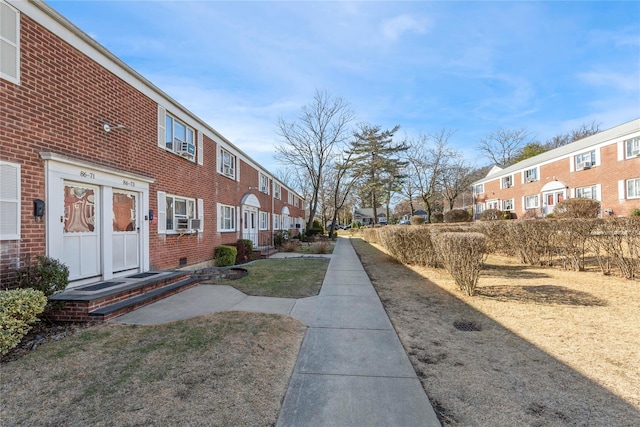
(169, 213)
(169, 131)
(180, 131)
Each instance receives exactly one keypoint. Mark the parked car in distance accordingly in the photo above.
(383, 222)
(404, 222)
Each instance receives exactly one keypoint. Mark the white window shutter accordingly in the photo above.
(621, 149)
(572, 193)
(200, 203)
(9, 201)
(621, 190)
(200, 153)
(219, 160)
(162, 131)
(162, 212)
(9, 43)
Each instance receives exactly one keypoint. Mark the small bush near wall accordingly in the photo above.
(457, 215)
(416, 220)
(245, 251)
(462, 255)
(19, 309)
(47, 275)
(225, 256)
(577, 208)
(635, 212)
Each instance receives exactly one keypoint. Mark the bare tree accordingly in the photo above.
(310, 142)
(581, 132)
(428, 157)
(342, 182)
(456, 179)
(502, 146)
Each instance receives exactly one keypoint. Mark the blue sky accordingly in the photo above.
(471, 67)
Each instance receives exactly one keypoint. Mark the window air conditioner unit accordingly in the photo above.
(227, 170)
(184, 148)
(195, 224)
(584, 165)
(635, 152)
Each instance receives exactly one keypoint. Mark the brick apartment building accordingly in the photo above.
(604, 167)
(104, 171)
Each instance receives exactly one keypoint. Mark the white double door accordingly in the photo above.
(94, 228)
(250, 224)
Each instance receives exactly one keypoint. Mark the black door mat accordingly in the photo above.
(141, 275)
(99, 286)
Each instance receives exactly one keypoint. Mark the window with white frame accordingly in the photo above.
(264, 220)
(633, 188)
(276, 222)
(290, 199)
(9, 201)
(531, 175)
(264, 183)
(296, 201)
(506, 182)
(179, 137)
(179, 211)
(226, 218)
(585, 160)
(532, 202)
(478, 189)
(633, 147)
(590, 192)
(277, 191)
(10, 43)
(492, 204)
(479, 208)
(507, 205)
(227, 163)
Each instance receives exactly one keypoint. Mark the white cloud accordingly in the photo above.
(618, 81)
(394, 28)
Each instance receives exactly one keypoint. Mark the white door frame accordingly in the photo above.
(59, 168)
(555, 189)
(249, 214)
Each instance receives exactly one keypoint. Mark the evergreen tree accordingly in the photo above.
(376, 161)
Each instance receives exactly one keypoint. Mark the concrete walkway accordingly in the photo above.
(351, 370)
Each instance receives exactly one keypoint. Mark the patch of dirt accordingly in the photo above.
(554, 349)
(43, 332)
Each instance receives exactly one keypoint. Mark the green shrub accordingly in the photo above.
(47, 275)
(225, 255)
(457, 215)
(280, 238)
(313, 231)
(635, 212)
(462, 255)
(245, 251)
(577, 208)
(416, 220)
(19, 309)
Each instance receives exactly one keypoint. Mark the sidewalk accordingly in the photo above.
(351, 370)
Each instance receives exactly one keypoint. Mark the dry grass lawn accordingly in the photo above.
(224, 369)
(556, 348)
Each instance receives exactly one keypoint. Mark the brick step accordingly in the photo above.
(265, 253)
(127, 293)
(119, 308)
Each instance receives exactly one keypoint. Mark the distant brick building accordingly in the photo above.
(104, 171)
(604, 167)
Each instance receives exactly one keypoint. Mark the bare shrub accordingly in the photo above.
(436, 218)
(462, 255)
(410, 245)
(490, 215)
(498, 237)
(457, 215)
(531, 241)
(617, 241)
(416, 220)
(577, 208)
(322, 247)
(371, 235)
(290, 245)
(570, 241)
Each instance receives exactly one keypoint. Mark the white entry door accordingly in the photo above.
(80, 230)
(551, 199)
(250, 225)
(126, 230)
